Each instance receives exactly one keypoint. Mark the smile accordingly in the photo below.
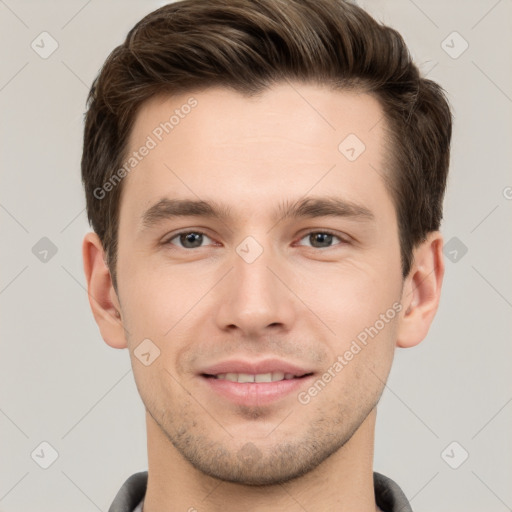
(259, 377)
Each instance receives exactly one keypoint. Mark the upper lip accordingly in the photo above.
(255, 367)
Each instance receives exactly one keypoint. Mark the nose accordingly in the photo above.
(255, 296)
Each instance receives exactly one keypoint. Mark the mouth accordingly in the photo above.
(244, 378)
(255, 383)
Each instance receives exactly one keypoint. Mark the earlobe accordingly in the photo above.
(102, 296)
(421, 291)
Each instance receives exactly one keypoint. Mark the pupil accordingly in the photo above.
(322, 237)
(190, 238)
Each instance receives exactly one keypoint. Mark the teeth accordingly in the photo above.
(263, 377)
(260, 377)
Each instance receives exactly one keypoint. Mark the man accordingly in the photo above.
(265, 183)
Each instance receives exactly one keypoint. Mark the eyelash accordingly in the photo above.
(197, 232)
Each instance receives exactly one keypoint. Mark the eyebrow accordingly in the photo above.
(310, 207)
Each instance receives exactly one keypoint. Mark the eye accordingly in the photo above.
(188, 239)
(195, 239)
(322, 239)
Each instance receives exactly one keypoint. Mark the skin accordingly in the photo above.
(298, 301)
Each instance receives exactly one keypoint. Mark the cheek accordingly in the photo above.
(154, 385)
(361, 309)
(349, 299)
(352, 382)
(360, 367)
(151, 299)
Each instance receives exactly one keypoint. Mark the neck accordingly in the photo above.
(343, 482)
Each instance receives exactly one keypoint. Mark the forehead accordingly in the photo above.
(287, 140)
(221, 115)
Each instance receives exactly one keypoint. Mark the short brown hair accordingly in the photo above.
(248, 45)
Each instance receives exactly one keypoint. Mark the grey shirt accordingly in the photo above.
(388, 496)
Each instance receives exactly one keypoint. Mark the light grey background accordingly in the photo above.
(60, 383)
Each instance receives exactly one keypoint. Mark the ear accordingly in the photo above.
(421, 291)
(102, 295)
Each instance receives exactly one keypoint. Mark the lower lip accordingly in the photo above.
(255, 393)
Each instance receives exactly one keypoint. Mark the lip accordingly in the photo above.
(254, 367)
(255, 393)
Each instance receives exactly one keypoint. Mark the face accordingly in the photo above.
(291, 275)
